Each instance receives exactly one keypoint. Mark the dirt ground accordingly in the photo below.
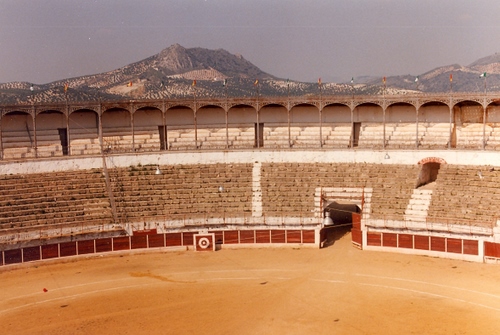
(336, 290)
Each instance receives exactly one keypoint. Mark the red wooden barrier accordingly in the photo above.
(103, 245)
(146, 239)
(471, 247)
(454, 245)
(139, 241)
(32, 254)
(492, 249)
(67, 249)
(187, 238)
(390, 240)
(247, 236)
(278, 236)
(374, 239)
(156, 241)
(357, 237)
(263, 236)
(231, 237)
(422, 242)
(219, 236)
(308, 236)
(293, 236)
(438, 244)
(174, 239)
(86, 247)
(13, 256)
(356, 221)
(50, 251)
(121, 243)
(405, 241)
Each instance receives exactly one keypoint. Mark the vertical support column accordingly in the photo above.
(164, 124)
(383, 117)
(351, 144)
(257, 129)
(258, 112)
(68, 134)
(195, 128)
(484, 127)
(288, 112)
(416, 123)
(133, 129)
(451, 122)
(226, 110)
(99, 119)
(321, 125)
(195, 117)
(288, 120)
(34, 132)
(227, 126)
(1, 141)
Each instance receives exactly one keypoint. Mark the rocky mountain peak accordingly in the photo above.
(175, 59)
(173, 71)
(489, 64)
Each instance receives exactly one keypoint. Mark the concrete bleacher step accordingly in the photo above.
(418, 205)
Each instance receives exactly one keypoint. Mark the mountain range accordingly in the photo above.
(178, 72)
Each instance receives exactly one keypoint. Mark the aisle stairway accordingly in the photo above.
(419, 204)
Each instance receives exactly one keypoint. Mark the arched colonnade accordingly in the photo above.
(29, 131)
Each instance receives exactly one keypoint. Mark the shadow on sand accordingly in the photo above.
(333, 233)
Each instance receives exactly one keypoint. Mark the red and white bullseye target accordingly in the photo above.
(204, 242)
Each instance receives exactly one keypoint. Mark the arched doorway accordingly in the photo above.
(429, 171)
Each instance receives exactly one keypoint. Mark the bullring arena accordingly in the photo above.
(252, 215)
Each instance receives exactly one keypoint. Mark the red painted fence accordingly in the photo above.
(152, 240)
(423, 242)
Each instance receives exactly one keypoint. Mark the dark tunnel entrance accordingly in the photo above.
(337, 221)
(428, 173)
(340, 213)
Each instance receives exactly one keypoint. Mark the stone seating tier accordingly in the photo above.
(20, 144)
(182, 190)
(53, 198)
(462, 194)
(288, 189)
(466, 195)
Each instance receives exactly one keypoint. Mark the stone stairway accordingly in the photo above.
(418, 205)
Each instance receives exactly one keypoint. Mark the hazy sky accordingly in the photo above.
(47, 40)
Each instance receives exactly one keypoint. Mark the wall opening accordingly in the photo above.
(162, 130)
(341, 212)
(340, 224)
(63, 137)
(428, 173)
(259, 135)
(356, 130)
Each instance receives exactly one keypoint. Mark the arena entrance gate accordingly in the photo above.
(341, 208)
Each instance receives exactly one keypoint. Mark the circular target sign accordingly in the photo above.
(203, 243)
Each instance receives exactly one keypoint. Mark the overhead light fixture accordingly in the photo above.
(158, 171)
(387, 156)
(327, 221)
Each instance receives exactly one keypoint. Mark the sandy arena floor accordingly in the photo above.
(336, 290)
